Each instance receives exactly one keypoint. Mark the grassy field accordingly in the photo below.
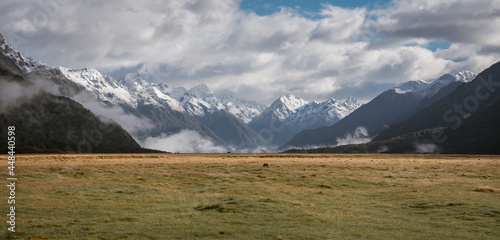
(232, 196)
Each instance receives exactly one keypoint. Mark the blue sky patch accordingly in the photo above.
(438, 44)
(266, 7)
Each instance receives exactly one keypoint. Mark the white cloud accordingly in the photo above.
(260, 57)
(131, 123)
(359, 136)
(14, 94)
(459, 21)
(426, 148)
(186, 141)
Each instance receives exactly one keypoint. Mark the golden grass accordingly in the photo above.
(488, 189)
(232, 196)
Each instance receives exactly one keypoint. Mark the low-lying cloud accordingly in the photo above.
(13, 94)
(426, 148)
(383, 149)
(186, 141)
(359, 136)
(134, 125)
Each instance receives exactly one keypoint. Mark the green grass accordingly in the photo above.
(232, 196)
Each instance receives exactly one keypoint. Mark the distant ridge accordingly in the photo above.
(463, 121)
(289, 115)
(387, 108)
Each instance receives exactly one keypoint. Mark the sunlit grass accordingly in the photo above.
(231, 196)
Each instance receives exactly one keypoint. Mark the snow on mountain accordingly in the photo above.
(26, 65)
(176, 93)
(289, 115)
(151, 93)
(164, 98)
(130, 90)
(242, 109)
(316, 114)
(134, 82)
(412, 86)
(431, 88)
(202, 91)
(465, 76)
(105, 88)
(301, 113)
(285, 106)
(200, 100)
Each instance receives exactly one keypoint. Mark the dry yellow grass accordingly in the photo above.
(232, 196)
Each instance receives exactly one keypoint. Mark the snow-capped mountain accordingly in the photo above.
(200, 100)
(131, 90)
(146, 107)
(431, 88)
(317, 114)
(169, 109)
(299, 112)
(201, 103)
(26, 65)
(49, 123)
(149, 93)
(390, 106)
(285, 107)
(289, 115)
(242, 109)
(105, 88)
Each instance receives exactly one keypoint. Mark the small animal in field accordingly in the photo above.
(265, 165)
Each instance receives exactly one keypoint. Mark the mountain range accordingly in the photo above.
(289, 115)
(155, 110)
(83, 110)
(45, 122)
(461, 118)
(390, 106)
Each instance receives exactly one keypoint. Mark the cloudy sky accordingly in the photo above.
(260, 50)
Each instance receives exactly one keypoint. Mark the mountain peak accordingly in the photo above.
(289, 96)
(411, 86)
(26, 65)
(447, 77)
(290, 101)
(430, 88)
(351, 100)
(132, 78)
(201, 91)
(465, 76)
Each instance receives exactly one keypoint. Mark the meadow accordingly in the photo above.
(232, 196)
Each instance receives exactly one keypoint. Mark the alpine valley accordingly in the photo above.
(151, 112)
(83, 110)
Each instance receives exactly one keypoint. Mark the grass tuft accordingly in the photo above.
(217, 207)
(487, 190)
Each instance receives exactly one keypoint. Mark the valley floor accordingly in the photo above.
(232, 196)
